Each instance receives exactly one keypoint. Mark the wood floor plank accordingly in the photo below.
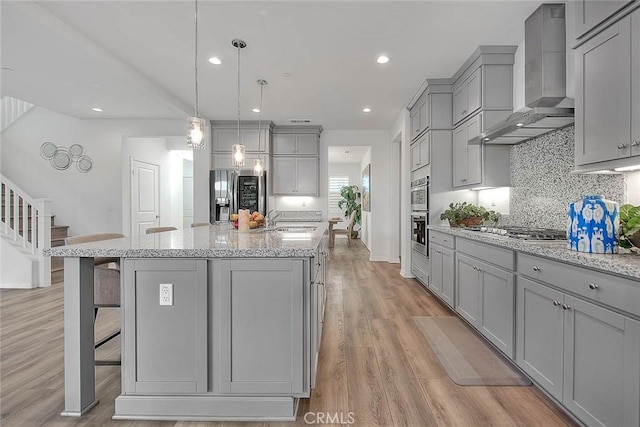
(421, 358)
(406, 400)
(367, 400)
(357, 333)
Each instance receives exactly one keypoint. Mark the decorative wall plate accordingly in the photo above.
(84, 164)
(61, 159)
(76, 151)
(48, 150)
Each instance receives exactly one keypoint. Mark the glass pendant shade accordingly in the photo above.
(237, 157)
(195, 133)
(258, 168)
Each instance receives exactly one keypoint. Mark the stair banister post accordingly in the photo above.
(44, 240)
(7, 207)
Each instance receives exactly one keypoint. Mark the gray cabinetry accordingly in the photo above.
(560, 310)
(442, 272)
(295, 176)
(260, 318)
(608, 95)
(224, 134)
(539, 349)
(420, 151)
(304, 144)
(319, 269)
(420, 266)
(482, 96)
(295, 163)
(485, 293)
(467, 97)
(165, 345)
(586, 356)
(590, 13)
(467, 153)
(420, 116)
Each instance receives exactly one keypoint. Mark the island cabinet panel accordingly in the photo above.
(165, 346)
(260, 312)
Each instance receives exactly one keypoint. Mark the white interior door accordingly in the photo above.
(145, 202)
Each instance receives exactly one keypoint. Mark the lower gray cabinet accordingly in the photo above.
(441, 279)
(485, 298)
(165, 345)
(584, 355)
(539, 348)
(260, 322)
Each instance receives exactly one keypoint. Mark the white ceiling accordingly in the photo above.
(135, 59)
(351, 154)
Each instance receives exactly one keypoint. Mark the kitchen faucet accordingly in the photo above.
(269, 219)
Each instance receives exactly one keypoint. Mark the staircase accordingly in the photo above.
(26, 228)
(58, 234)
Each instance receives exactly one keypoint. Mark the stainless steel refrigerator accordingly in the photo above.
(231, 189)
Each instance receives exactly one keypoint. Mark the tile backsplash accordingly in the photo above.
(542, 184)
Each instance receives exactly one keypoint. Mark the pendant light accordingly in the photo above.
(196, 125)
(258, 167)
(237, 155)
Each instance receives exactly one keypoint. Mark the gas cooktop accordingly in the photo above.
(526, 233)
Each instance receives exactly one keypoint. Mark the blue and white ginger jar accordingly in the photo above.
(593, 225)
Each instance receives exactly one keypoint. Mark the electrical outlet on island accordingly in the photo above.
(166, 293)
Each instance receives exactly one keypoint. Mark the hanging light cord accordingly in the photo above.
(196, 55)
(260, 117)
(238, 93)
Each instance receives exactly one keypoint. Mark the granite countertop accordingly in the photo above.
(627, 265)
(214, 241)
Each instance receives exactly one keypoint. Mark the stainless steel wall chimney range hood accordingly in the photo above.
(545, 80)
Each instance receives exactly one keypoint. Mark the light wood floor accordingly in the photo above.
(374, 362)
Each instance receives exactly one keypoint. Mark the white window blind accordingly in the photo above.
(336, 182)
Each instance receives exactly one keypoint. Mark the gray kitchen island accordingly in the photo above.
(216, 324)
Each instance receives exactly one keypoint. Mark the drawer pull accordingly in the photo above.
(536, 268)
(444, 240)
(593, 286)
(556, 303)
(566, 307)
(621, 146)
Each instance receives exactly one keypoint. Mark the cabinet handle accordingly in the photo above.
(621, 146)
(464, 180)
(635, 143)
(566, 307)
(593, 286)
(556, 303)
(536, 268)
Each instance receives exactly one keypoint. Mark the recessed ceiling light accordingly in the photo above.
(97, 110)
(256, 110)
(382, 59)
(215, 60)
(366, 110)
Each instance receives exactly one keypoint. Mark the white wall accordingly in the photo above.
(400, 204)
(87, 202)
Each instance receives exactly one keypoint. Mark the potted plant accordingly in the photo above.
(349, 203)
(629, 226)
(468, 215)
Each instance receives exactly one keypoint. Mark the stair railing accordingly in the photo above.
(27, 222)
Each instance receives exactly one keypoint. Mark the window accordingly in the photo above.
(335, 184)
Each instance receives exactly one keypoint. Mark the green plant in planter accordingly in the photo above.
(349, 203)
(629, 226)
(458, 213)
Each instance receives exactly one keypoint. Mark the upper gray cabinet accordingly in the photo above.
(467, 97)
(432, 110)
(482, 96)
(224, 134)
(420, 117)
(607, 93)
(590, 13)
(301, 144)
(420, 152)
(296, 161)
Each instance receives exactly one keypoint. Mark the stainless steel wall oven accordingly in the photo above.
(420, 215)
